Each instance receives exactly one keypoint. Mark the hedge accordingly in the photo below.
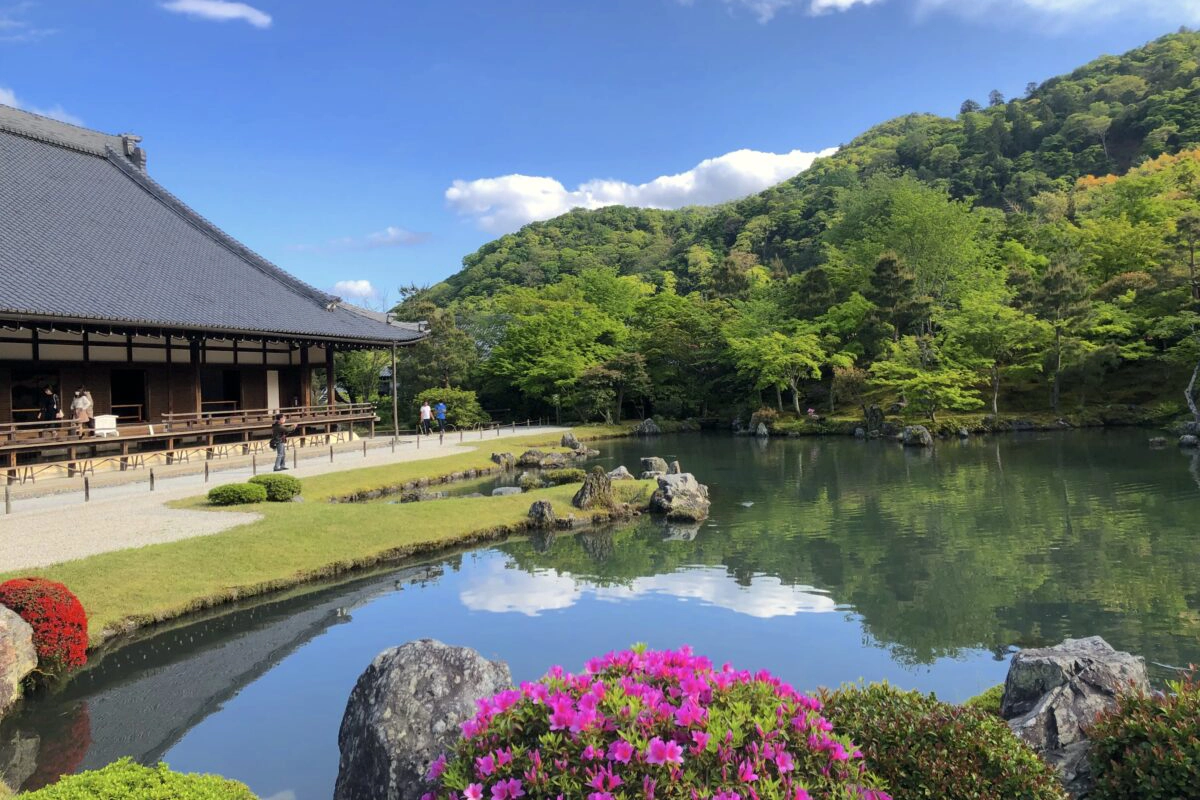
(125, 780)
(558, 477)
(280, 488)
(235, 494)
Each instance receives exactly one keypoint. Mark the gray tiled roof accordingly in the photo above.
(85, 234)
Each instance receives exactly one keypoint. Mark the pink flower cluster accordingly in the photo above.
(658, 725)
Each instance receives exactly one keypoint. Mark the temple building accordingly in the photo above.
(182, 334)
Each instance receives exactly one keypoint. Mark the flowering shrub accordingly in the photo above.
(1149, 745)
(656, 725)
(923, 747)
(57, 617)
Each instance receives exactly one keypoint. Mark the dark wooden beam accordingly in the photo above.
(330, 377)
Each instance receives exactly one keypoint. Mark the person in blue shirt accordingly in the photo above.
(440, 412)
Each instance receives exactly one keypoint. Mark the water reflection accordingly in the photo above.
(823, 561)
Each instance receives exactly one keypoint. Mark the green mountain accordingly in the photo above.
(1026, 249)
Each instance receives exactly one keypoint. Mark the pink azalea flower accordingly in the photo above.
(474, 791)
(783, 760)
(660, 752)
(801, 794)
(503, 757)
(437, 767)
(746, 772)
(485, 765)
(727, 796)
(507, 790)
(620, 750)
(700, 738)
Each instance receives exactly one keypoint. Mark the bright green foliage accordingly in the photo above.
(778, 360)
(236, 494)
(462, 406)
(927, 387)
(280, 488)
(988, 700)
(1149, 746)
(924, 748)
(125, 780)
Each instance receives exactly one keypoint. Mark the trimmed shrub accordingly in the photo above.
(1148, 747)
(236, 494)
(922, 747)
(462, 406)
(280, 488)
(529, 481)
(125, 780)
(655, 724)
(558, 477)
(60, 628)
(988, 700)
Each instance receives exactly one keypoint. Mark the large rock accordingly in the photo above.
(674, 469)
(620, 474)
(570, 442)
(505, 460)
(647, 427)
(874, 418)
(505, 491)
(1053, 694)
(681, 497)
(917, 436)
(404, 712)
(541, 515)
(761, 431)
(553, 461)
(1189, 441)
(596, 491)
(531, 458)
(654, 464)
(17, 656)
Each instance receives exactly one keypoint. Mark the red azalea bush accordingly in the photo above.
(57, 617)
(659, 725)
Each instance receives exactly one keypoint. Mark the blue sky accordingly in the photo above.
(330, 136)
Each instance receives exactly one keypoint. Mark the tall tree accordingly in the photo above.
(778, 360)
(1061, 299)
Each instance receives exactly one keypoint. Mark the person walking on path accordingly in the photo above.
(81, 410)
(49, 410)
(426, 418)
(440, 410)
(279, 436)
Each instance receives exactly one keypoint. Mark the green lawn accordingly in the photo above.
(295, 542)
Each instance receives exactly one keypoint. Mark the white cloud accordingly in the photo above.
(1177, 11)
(354, 290)
(505, 590)
(9, 98)
(13, 28)
(220, 11)
(391, 236)
(506, 203)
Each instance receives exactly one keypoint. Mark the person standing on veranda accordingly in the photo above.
(279, 436)
(81, 410)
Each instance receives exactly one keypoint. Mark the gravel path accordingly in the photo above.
(62, 527)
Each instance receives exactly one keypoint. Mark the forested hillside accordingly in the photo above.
(1030, 254)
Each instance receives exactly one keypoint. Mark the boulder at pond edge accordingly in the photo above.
(647, 427)
(916, 436)
(654, 464)
(404, 712)
(620, 474)
(18, 657)
(681, 497)
(570, 441)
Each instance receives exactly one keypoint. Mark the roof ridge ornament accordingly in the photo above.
(129, 145)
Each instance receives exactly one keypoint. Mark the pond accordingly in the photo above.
(824, 560)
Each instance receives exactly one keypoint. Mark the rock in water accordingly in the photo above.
(505, 491)
(404, 712)
(553, 461)
(1053, 694)
(541, 514)
(674, 469)
(18, 658)
(860, 433)
(570, 442)
(531, 458)
(647, 427)
(963, 433)
(620, 474)
(761, 431)
(1189, 441)
(596, 491)
(505, 460)
(681, 497)
(654, 464)
(917, 436)
(874, 418)
(1158, 441)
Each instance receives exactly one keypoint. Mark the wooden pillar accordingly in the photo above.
(395, 395)
(330, 378)
(305, 376)
(194, 354)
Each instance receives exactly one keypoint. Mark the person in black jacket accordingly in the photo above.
(50, 409)
(279, 436)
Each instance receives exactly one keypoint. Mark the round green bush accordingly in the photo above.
(924, 748)
(236, 494)
(1148, 747)
(280, 488)
(125, 780)
(988, 700)
(558, 477)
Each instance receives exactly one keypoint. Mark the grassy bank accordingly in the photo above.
(297, 542)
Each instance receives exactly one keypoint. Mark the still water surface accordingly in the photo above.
(824, 561)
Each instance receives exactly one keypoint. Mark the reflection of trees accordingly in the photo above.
(1075, 535)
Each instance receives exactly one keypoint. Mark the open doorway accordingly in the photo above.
(220, 389)
(28, 388)
(129, 395)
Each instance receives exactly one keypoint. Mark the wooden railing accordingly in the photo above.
(128, 412)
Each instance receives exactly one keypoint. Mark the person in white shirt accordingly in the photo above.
(426, 418)
(81, 409)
